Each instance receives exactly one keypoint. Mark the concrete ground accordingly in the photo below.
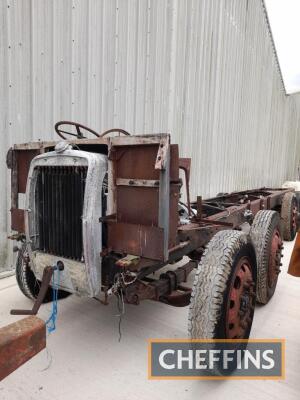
(85, 360)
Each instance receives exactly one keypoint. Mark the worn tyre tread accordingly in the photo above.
(210, 283)
(286, 206)
(261, 232)
(22, 277)
(28, 283)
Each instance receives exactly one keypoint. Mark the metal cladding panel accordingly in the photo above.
(141, 198)
(142, 240)
(204, 70)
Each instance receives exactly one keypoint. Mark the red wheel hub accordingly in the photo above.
(294, 218)
(275, 258)
(241, 301)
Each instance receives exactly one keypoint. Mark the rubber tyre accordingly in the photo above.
(209, 299)
(289, 201)
(262, 230)
(28, 283)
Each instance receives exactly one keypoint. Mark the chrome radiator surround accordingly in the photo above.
(84, 277)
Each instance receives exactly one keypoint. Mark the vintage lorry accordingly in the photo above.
(108, 212)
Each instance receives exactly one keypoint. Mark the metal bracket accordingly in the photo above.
(137, 182)
(163, 153)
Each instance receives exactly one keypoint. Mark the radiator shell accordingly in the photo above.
(83, 278)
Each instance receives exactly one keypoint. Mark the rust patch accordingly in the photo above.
(24, 158)
(17, 220)
(19, 342)
(140, 240)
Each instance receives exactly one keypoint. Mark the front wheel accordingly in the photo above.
(223, 297)
(27, 282)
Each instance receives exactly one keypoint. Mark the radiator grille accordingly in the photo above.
(59, 201)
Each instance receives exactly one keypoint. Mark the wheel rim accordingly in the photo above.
(241, 301)
(294, 218)
(275, 259)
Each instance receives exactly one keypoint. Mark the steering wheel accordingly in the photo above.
(115, 130)
(79, 128)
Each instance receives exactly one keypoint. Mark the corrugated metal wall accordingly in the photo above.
(203, 70)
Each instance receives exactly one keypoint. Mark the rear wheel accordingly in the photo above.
(27, 282)
(289, 216)
(266, 237)
(223, 298)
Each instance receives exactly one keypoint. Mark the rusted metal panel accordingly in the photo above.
(137, 205)
(143, 193)
(24, 158)
(132, 162)
(136, 162)
(18, 161)
(19, 342)
(174, 163)
(17, 220)
(145, 241)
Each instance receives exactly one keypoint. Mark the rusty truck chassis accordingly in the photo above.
(229, 211)
(167, 242)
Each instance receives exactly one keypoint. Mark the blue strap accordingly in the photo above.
(51, 321)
